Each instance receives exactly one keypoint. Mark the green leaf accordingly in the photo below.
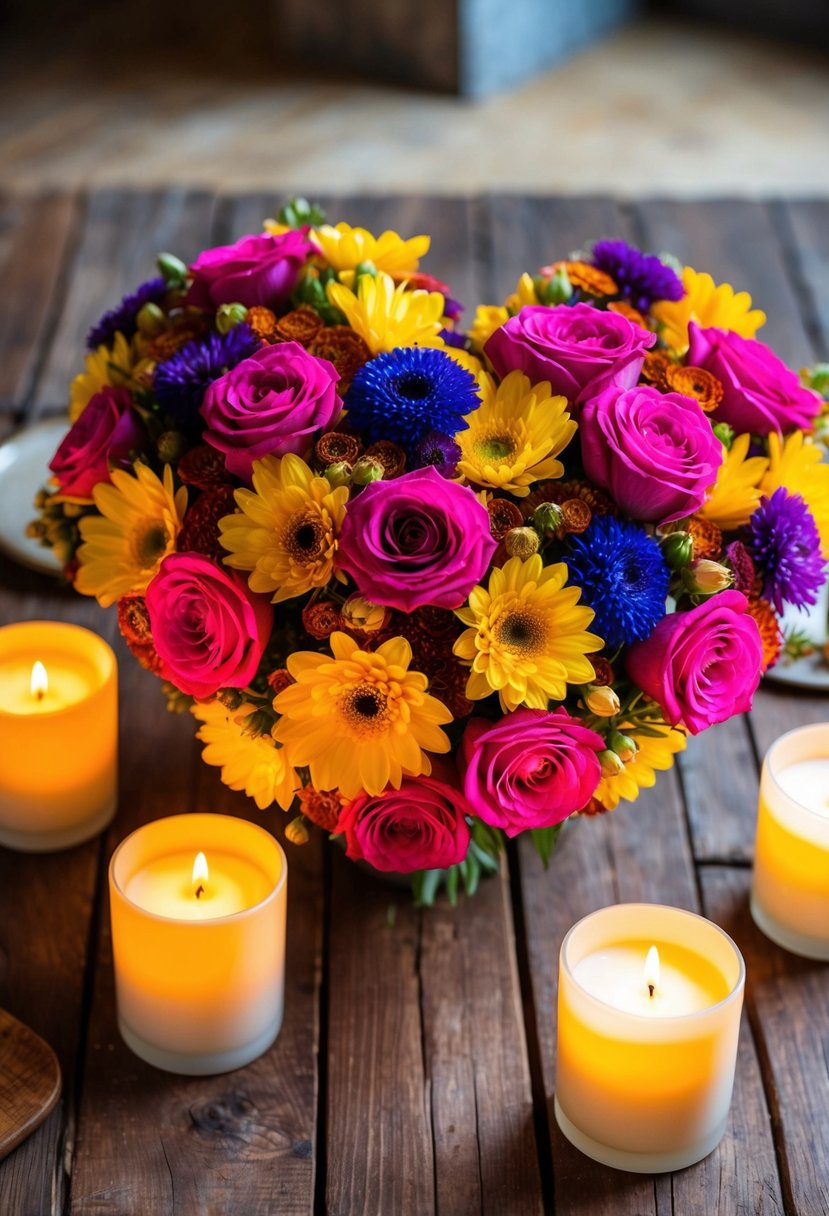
(483, 859)
(430, 886)
(544, 840)
(473, 873)
(452, 876)
(489, 840)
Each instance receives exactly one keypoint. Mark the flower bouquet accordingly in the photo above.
(428, 589)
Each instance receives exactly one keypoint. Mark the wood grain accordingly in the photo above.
(29, 1082)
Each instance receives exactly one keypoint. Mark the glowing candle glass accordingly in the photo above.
(790, 890)
(198, 905)
(58, 735)
(649, 1002)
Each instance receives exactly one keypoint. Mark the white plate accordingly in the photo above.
(24, 469)
(813, 671)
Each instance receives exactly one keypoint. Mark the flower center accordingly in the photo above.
(519, 633)
(149, 543)
(497, 447)
(306, 538)
(366, 709)
(414, 385)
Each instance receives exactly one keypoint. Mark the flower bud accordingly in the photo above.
(230, 315)
(360, 613)
(724, 433)
(611, 764)
(602, 700)
(150, 320)
(367, 267)
(677, 549)
(706, 577)
(72, 510)
(40, 499)
(624, 747)
(547, 518)
(521, 542)
(366, 470)
(172, 268)
(171, 446)
(36, 529)
(557, 289)
(231, 698)
(296, 831)
(338, 474)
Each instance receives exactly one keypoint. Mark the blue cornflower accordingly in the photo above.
(783, 540)
(123, 317)
(408, 392)
(180, 383)
(640, 277)
(623, 578)
(440, 451)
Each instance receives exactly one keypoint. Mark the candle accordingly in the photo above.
(58, 735)
(790, 888)
(649, 1004)
(198, 906)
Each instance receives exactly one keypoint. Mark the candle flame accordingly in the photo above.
(200, 874)
(40, 681)
(651, 971)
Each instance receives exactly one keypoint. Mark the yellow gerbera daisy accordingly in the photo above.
(515, 435)
(654, 754)
(527, 639)
(251, 763)
(736, 492)
(708, 304)
(286, 530)
(488, 318)
(360, 720)
(386, 316)
(344, 248)
(795, 462)
(103, 367)
(140, 518)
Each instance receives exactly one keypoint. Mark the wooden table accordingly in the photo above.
(415, 1070)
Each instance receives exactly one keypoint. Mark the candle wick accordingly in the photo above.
(651, 989)
(199, 891)
(40, 694)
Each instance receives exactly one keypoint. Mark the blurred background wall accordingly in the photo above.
(616, 96)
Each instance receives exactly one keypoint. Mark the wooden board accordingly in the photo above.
(29, 1082)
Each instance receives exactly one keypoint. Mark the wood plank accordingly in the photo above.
(36, 233)
(787, 999)
(804, 228)
(722, 811)
(121, 235)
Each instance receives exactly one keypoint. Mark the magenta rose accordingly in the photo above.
(701, 666)
(416, 540)
(655, 453)
(421, 826)
(270, 404)
(208, 629)
(261, 269)
(531, 769)
(574, 348)
(105, 434)
(761, 393)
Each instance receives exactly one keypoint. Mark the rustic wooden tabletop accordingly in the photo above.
(415, 1070)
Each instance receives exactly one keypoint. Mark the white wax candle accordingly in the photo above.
(67, 684)
(165, 887)
(616, 975)
(808, 784)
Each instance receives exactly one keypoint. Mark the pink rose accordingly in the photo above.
(421, 826)
(416, 540)
(530, 769)
(261, 269)
(703, 665)
(574, 348)
(655, 453)
(270, 404)
(106, 433)
(209, 630)
(760, 394)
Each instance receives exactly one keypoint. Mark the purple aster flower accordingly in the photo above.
(742, 567)
(640, 277)
(784, 542)
(438, 450)
(123, 318)
(453, 337)
(180, 383)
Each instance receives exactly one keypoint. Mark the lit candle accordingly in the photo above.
(790, 890)
(58, 735)
(649, 1004)
(198, 906)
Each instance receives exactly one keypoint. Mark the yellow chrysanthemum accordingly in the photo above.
(654, 754)
(527, 639)
(286, 529)
(708, 304)
(488, 318)
(344, 248)
(386, 316)
(515, 435)
(253, 764)
(795, 462)
(360, 720)
(736, 492)
(103, 367)
(140, 518)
